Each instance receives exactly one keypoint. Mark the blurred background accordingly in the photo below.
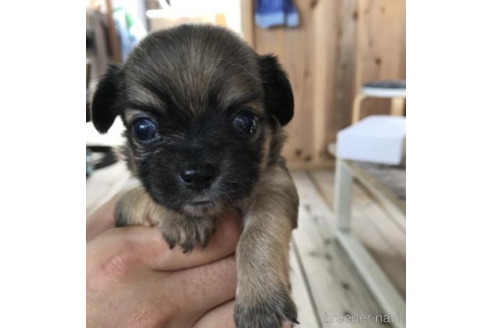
(346, 60)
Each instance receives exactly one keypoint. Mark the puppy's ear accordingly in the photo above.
(106, 104)
(279, 96)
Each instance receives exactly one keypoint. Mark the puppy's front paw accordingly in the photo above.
(188, 232)
(265, 311)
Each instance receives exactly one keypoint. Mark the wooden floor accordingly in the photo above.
(323, 279)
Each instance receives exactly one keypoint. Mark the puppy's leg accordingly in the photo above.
(263, 298)
(136, 207)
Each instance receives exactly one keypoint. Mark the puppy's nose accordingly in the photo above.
(197, 177)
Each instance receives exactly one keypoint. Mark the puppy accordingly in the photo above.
(204, 116)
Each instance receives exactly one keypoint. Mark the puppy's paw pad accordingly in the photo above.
(273, 312)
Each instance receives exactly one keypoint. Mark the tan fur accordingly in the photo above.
(135, 207)
(263, 249)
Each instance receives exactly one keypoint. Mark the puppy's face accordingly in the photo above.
(203, 114)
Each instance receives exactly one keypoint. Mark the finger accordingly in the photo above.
(220, 317)
(100, 220)
(146, 245)
(205, 287)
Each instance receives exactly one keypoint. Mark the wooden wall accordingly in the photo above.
(339, 45)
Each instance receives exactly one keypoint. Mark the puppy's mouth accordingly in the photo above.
(200, 205)
(201, 200)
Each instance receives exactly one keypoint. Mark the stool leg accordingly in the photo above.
(356, 108)
(343, 195)
(397, 106)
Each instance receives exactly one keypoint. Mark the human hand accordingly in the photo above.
(134, 280)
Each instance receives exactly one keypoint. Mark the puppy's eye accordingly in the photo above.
(246, 123)
(144, 130)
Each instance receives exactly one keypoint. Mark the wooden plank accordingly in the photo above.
(364, 209)
(388, 297)
(398, 215)
(403, 40)
(304, 52)
(344, 91)
(247, 21)
(380, 47)
(328, 164)
(113, 37)
(378, 232)
(388, 198)
(306, 312)
(325, 17)
(380, 38)
(336, 287)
